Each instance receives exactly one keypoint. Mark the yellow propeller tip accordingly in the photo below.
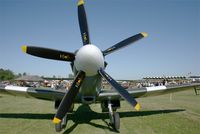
(144, 34)
(56, 120)
(80, 2)
(24, 48)
(137, 107)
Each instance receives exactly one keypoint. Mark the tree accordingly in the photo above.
(24, 74)
(19, 75)
(6, 74)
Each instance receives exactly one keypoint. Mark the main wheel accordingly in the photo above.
(58, 127)
(116, 123)
(64, 122)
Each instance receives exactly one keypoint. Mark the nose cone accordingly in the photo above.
(89, 59)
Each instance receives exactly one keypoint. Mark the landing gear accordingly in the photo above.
(114, 117)
(196, 90)
(71, 108)
(61, 125)
(58, 127)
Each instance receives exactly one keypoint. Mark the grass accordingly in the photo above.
(179, 113)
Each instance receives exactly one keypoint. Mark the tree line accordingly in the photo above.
(6, 75)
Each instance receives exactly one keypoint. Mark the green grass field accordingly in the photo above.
(178, 114)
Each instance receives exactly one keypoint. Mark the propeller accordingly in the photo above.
(48, 53)
(83, 23)
(124, 43)
(69, 97)
(123, 93)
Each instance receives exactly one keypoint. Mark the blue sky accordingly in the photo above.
(172, 47)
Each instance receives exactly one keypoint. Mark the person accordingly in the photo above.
(164, 82)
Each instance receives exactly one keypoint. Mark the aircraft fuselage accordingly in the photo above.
(89, 59)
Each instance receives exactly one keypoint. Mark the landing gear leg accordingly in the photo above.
(114, 117)
(61, 125)
(196, 90)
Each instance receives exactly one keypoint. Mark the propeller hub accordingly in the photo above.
(89, 59)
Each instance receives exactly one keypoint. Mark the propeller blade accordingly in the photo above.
(69, 98)
(125, 43)
(48, 53)
(83, 23)
(120, 90)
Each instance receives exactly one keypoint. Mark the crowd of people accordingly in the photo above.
(65, 84)
(54, 84)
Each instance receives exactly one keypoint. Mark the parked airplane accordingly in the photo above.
(88, 64)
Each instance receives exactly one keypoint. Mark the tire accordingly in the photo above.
(64, 122)
(116, 124)
(58, 127)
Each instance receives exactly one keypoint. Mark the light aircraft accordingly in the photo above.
(88, 64)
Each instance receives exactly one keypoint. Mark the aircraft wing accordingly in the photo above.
(103, 95)
(29, 92)
(146, 91)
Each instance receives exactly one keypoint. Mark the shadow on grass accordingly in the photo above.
(46, 116)
(84, 115)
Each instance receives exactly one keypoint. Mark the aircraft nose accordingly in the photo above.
(89, 59)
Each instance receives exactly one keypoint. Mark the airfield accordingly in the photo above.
(172, 113)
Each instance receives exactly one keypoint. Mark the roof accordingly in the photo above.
(29, 78)
(194, 77)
